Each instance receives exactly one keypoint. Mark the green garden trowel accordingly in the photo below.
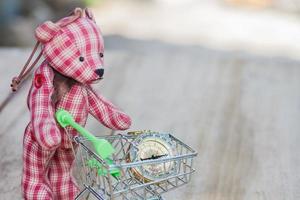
(102, 147)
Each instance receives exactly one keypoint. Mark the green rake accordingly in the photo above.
(102, 147)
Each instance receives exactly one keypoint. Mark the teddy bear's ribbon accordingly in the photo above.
(16, 81)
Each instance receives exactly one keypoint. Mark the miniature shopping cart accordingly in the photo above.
(141, 165)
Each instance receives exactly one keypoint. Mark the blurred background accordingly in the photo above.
(221, 75)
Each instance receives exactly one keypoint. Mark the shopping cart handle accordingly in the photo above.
(102, 147)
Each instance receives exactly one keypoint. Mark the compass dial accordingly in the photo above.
(151, 147)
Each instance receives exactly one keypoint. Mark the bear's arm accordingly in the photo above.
(107, 113)
(45, 129)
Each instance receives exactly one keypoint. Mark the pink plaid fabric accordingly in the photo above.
(79, 39)
(47, 152)
(106, 112)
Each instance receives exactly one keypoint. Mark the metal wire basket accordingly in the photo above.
(127, 175)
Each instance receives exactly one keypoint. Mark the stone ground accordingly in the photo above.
(238, 109)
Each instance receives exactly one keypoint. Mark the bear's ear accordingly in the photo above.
(89, 14)
(78, 12)
(46, 31)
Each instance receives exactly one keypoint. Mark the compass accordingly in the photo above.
(153, 146)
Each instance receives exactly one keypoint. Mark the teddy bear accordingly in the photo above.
(73, 51)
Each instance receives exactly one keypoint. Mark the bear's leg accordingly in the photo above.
(61, 180)
(35, 182)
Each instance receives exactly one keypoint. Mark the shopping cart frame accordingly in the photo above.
(128, 186)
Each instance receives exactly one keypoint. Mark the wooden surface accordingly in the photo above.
(239, 111)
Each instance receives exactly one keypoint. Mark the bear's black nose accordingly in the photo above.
(99, 72)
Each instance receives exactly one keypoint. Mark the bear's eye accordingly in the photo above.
(101, 55)
(81, 59)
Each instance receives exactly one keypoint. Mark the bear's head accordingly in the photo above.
(73, 46)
